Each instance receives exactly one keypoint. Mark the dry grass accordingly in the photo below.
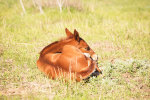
(76, 4)
(117, 30)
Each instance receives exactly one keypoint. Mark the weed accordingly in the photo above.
(117, 30)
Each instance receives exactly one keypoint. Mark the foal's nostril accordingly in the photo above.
(95, 57)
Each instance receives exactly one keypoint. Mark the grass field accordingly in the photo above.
(117, 30)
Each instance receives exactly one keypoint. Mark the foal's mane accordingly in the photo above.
(50, 45)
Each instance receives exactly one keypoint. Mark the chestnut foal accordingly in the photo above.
(70, 58)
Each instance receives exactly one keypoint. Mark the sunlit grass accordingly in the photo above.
(117, 30)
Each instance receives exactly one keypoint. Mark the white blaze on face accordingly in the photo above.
(87, 55)
(94, 57)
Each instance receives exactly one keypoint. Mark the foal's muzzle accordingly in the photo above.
(94, 57)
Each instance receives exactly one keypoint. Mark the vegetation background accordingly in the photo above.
(117, 30)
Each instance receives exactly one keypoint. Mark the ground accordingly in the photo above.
(117, 30)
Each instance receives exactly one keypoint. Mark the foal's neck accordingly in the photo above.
(55, 47)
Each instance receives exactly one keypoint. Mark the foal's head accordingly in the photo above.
(78, 42)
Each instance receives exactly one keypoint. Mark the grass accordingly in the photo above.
(117, 30)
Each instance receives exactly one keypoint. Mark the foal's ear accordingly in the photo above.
(68, 33)
(76, 35)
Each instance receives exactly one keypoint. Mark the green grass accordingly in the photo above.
(117, 30)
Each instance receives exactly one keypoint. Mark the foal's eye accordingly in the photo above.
(87, 48)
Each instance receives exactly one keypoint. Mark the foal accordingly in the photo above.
(70, 58)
